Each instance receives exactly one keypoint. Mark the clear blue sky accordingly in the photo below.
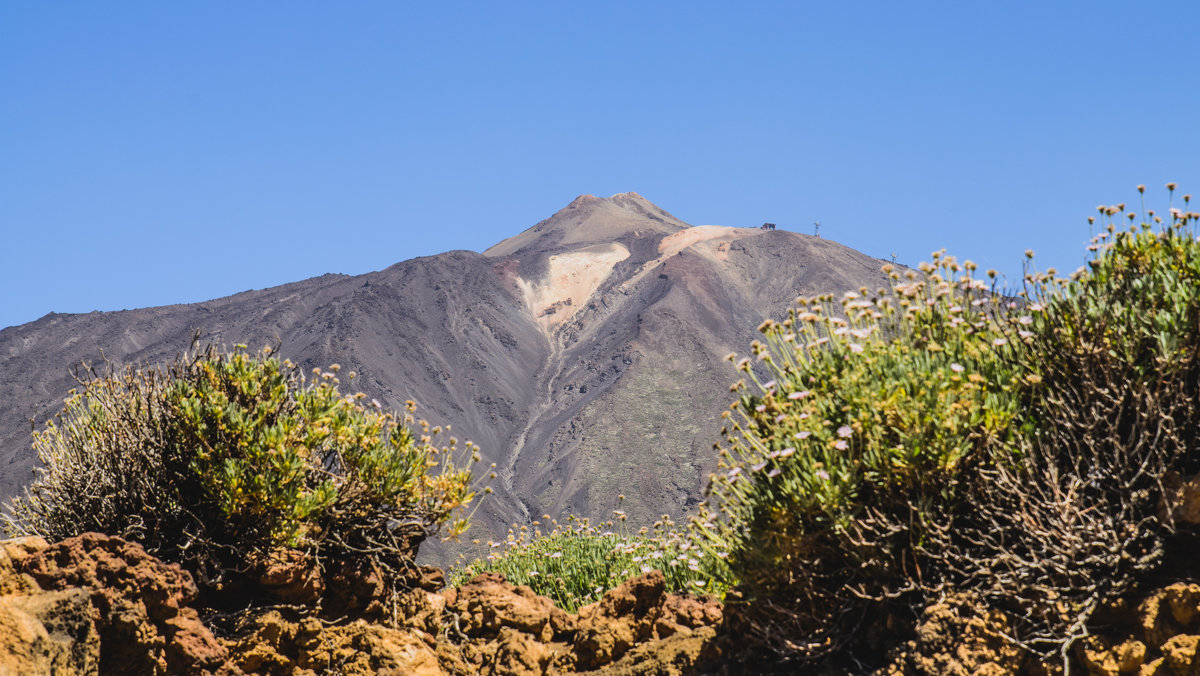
(162, 152)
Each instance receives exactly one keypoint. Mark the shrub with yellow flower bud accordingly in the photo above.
(221, 458)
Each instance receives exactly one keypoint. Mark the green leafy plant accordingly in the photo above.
(849, 443)
(940, 436)
(576, 563)
(1084, 513)
(218, 459)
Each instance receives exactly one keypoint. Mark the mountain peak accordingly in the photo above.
(583, 200)
(592, 220)
(629, 197)
(625, 200)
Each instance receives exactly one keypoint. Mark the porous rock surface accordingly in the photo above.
(1155, 633)
(276, 644)
(489, 626)
(42, 632)
(139, 605)
(957, 638)
(637, 612)
(1157, 636)
(96, 604)
(100, 605)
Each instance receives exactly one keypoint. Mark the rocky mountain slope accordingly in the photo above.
(583, 355)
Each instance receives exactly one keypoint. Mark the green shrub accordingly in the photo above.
(576, 563)
(940, 436)
(219, 459)
(850, 444)
(1115, 419)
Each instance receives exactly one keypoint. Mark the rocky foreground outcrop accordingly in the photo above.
(98, 604)
(1156, 633)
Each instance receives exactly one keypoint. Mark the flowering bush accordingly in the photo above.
(576, 563)
(1115, 419)
(853, 431)
(220, 458)
(940, 435)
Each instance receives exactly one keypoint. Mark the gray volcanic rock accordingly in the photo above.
(583, 355)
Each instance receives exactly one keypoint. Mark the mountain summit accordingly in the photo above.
(583, 355)
(591, 219)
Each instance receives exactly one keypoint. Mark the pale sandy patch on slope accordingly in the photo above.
(711, 241)
(713, 235)
(571, 280)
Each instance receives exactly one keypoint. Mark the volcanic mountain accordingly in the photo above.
(584, 355)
